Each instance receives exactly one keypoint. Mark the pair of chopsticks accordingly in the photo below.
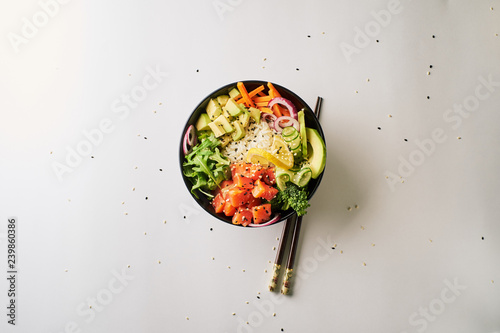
(285, 289)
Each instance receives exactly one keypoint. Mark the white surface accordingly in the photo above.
(415, 238)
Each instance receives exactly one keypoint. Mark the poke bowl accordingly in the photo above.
(250, 151)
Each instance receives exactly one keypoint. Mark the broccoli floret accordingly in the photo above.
(295, 197)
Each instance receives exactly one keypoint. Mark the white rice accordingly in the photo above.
(257, 136)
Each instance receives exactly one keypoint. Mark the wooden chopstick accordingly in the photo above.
(281, 252)
(285, 289)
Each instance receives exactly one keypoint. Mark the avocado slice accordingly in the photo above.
(222, 99)
(317, 152)
(202, 122)
(213, 109)
(234, 93)
(217, 129)
(239, 131)
(255, 113)
(244, 119)
(233, 108)
(302, 126)
(222, 121)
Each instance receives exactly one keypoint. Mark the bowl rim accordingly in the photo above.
(284, 214)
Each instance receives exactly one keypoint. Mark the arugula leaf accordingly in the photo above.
(205, 166)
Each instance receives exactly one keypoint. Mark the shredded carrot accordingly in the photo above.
(261, 94)
(266, 110)
(256, 91)
(284, 111)
(274, 93)
(261, 103)
(262, 99)
(244, 93)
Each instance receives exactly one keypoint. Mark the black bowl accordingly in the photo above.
(311, 122)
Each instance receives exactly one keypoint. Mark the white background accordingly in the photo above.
(396, 254)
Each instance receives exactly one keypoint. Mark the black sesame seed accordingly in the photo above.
(482, 238)
(379, 128)
(406, 140)
(211, 229)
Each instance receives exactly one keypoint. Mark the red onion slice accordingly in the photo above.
(286, 103)
(285, 121)
(189, 140)
(271, 221)
(268, 117)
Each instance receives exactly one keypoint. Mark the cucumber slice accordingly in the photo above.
(282, 180)
(294, 144)
(289, 133)
(302, 177)
(303, 132)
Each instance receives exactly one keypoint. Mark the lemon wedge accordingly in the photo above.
(282, 157)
